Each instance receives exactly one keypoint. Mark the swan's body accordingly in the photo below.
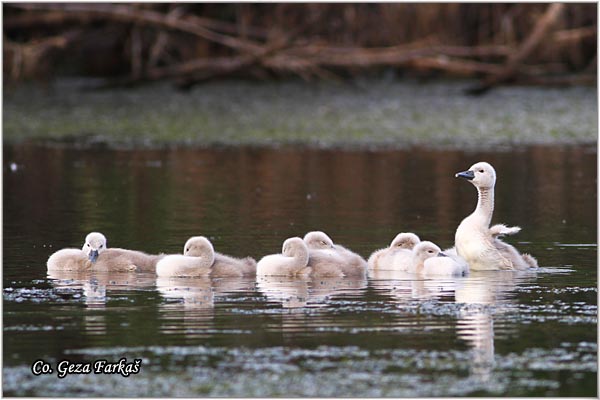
(428, 259)
(96, 256)
(383, 259)
(293, 260)
(200, 259)
(321, 246)
(475, 241)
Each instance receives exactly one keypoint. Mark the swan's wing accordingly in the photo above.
(503, 230)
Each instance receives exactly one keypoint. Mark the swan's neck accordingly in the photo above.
(207, 260)
(302, 258)
(485, 205)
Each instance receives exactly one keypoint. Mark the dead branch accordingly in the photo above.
(569, 36)
(127, 14)
(540, 30)
(60, 17)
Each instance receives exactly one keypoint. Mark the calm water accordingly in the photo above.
(488, 334)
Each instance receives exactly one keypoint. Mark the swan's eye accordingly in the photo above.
(481, 171)
(101, 246)
(188, 249)
(430, 251)
(87, 244)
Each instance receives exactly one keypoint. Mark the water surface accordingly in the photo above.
(488, 334)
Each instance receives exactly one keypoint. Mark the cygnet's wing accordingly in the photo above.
(500, 230)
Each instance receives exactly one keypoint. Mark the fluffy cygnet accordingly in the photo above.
(320, 245)
(200, 259)
(96, 256)
(383, 259)
(428, 259)
(296, 260)
(293, 260)
(475, 241)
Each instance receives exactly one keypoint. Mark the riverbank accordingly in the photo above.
(382, 113)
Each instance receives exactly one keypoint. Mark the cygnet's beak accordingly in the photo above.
(93, 255)
(440, 254)
(469, 175)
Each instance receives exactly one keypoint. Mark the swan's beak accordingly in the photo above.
(440, 254)
(93, 255)
(469, 175)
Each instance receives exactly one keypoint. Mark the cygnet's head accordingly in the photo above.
(405, 240)
(198, 246)
(318, 240)
(293, 247)
(425, 250)
(95, 243)
(481, 174)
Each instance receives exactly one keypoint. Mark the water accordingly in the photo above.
(488, 334)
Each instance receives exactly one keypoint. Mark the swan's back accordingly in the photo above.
(69, 260)
(354, 264)
(444, 266)
(175, 265)
(230, 266)
(323, 264)
(517, 260)
(115, 259)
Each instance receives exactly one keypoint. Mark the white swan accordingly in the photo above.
(428, 259)
(383, 259)
(320, 245)
(96, 256)
(200, 259)
(475, 241)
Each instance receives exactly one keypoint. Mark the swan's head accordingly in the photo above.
(425, 250)
(405, 240)
(318, 240)
(481, 174)
(293, 247)
(198, 246)
(95, 243)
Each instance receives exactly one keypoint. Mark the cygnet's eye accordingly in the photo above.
(101, 246)
(430, 251)
(188, 249)
(481, 171)
(87, 244)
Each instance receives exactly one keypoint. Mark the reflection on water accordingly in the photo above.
(301, 292)
(500, 333)
(95, 284)
(190, 292)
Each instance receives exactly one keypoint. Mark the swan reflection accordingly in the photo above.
(492, 294)
(96, 284)
(297, 292)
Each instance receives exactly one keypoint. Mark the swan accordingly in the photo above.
(322, 247)
(428, 259)
(95, 255)
(293, 260)
(475, 241)
(383, 259)
(200, 259)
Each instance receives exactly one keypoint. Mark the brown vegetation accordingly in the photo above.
(550, 43)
